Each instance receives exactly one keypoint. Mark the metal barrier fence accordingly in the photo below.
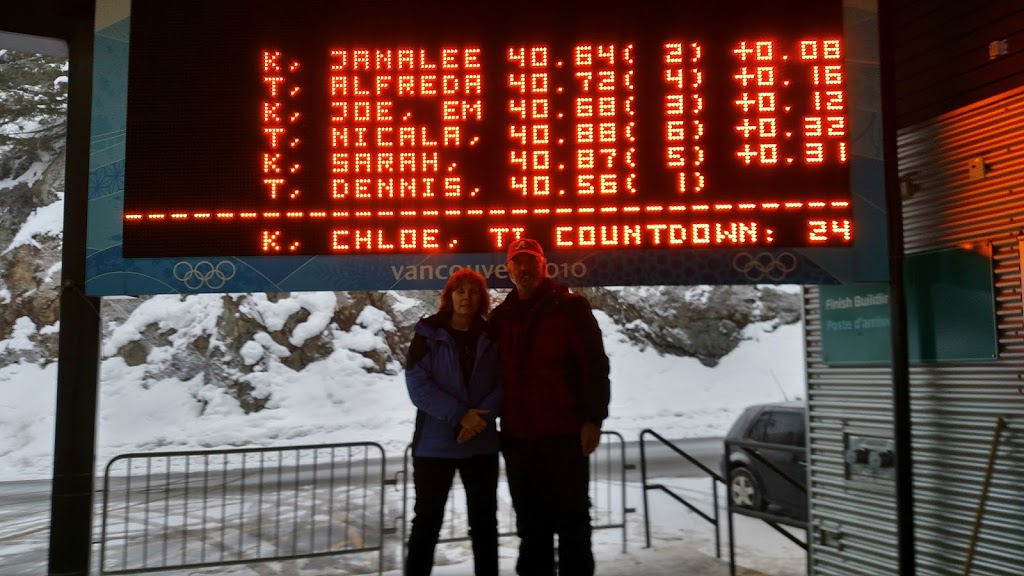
(173, 510)
(607, 495)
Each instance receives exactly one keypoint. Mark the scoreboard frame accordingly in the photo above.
(109, 272)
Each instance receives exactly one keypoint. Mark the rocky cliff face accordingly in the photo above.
(705, 322)
(229, 336)
(32, 128)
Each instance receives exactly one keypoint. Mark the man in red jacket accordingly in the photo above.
(555, 376)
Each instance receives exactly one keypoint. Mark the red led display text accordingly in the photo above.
(605, 142)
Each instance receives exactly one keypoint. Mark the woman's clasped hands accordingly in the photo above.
(473, 423)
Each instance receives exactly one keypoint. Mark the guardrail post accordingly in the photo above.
(643, 479)
(728, 508)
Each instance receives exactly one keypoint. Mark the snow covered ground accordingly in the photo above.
(681, 543)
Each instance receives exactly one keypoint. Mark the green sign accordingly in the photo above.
(950, 313)
(855, 324)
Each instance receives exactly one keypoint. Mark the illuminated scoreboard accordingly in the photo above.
(371, 128)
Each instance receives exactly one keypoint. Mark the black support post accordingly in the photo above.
(897, 298)
(78, 361)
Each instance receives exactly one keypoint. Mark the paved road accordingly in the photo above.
(24, 526)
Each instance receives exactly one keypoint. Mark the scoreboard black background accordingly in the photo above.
(195, 92)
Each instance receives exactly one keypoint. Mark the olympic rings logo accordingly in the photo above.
(204, 273)
(765, 265)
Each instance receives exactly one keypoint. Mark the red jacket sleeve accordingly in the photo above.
(596, 388)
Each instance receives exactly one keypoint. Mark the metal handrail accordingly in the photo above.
(748, 447)
(773, 520)
(715, 478)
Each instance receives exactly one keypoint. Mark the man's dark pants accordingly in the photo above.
(548, 479)
(432, 478)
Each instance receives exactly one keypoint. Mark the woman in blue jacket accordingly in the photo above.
(452, 376)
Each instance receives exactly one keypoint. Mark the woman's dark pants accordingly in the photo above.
(432, 478)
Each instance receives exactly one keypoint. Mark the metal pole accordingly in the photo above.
(643, 480)
(718, 522)
(622, 480)
(902, 437)
(728, 509)
(78, 361)
(979, 514)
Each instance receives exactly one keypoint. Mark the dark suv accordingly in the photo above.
(777, 433)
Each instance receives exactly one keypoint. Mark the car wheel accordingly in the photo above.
(744, 490)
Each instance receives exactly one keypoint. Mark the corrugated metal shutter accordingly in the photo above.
(954, 406)
(854, 525)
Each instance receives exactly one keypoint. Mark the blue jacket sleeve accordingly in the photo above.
(424, 391)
